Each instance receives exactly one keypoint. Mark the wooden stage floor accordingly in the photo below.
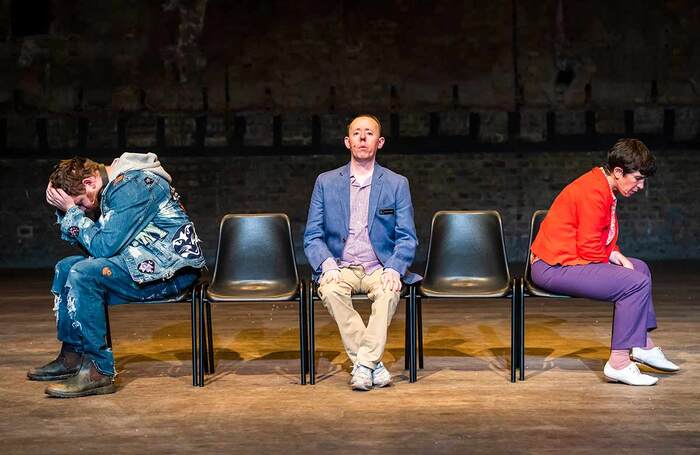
(463, 401)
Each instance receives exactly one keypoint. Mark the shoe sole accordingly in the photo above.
(59, 377)
(665, 370)
(627, 383)
(361, 388)
(105, 390)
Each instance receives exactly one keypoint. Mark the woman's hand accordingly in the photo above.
(618, 258)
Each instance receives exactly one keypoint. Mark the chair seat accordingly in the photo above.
(252, 290)
(535, 291)
(465, 287)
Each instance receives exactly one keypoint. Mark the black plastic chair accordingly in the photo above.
(190, 295)
(466, 260)
(531, 289)
(254, 263)
(407, 292)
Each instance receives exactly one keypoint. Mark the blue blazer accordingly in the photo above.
(390, 220)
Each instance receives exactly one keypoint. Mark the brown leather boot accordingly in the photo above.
(88, 381)
(65, 366)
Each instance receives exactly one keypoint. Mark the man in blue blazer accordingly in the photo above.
(360, 238)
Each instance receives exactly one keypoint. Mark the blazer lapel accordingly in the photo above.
(374, 194)
(344, 191)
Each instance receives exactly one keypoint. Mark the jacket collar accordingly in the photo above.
(344, 191)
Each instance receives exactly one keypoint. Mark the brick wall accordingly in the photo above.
(492, 104)
(663, 222)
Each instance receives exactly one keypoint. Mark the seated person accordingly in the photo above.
(360, 238)
(576, 253)
(142, 247)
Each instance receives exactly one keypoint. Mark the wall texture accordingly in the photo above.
(215, 73)
(486, 104)
(661, 222)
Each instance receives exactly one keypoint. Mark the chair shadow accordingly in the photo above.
(173, 333)
(447, 345)
(257, 366)
(124, 363)
(572, 353)
(591, 355)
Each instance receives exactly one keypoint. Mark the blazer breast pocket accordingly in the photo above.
(387, 211)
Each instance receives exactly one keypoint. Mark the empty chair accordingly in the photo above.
(254, 263)
(466, 260)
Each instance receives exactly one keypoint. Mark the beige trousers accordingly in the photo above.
(364, 345)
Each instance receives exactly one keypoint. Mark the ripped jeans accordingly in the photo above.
(82, 286)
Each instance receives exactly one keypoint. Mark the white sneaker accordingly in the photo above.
(655, 358)
(381, 376)
(352, 373)
(362, 378)
(629, 375)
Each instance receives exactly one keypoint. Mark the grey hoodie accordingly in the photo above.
(138, 161)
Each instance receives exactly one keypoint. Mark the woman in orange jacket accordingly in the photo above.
(576, 253)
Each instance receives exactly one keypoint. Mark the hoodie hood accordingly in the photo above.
(139, 162)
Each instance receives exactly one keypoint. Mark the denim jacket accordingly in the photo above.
(142, 221)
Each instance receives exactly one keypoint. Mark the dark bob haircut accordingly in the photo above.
(631, 155)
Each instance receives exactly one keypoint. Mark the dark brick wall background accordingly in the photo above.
(485, 104)
(660, 223)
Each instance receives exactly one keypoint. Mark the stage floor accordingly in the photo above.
(463, 400)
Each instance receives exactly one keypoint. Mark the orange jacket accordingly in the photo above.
(576, 227)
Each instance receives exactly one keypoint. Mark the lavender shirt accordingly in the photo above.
(358, 249)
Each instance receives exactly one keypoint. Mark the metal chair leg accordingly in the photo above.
(407, 347)
(419, 322)
(210, 344)
(312, 337)
(108, 333)
(513, 330)
(302, 332)
(205, 339)
(307, 294)
(200, 357)
(193, 323)
(521, 343)
(412, 373)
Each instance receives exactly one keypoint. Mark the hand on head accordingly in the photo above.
(58, 198)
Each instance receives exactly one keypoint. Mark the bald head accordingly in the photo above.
(366, 116)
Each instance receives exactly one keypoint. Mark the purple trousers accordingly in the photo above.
(630, 290)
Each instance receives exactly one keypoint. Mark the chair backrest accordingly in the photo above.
(255, 247)
(535, 223)
(466, 251)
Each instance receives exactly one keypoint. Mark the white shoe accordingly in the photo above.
(655, 358)
(352, 373)
(629, 375)
(381, 376)
(362, 378)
